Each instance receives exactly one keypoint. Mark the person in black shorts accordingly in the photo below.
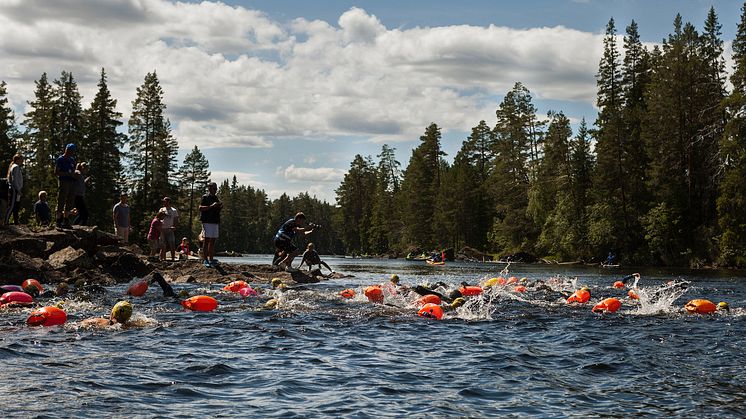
(284, 239)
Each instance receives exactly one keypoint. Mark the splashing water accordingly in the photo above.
(659, 300)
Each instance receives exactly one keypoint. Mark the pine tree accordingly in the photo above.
(152, 150)
(69, 115)
(8, 130)
(420, 187)
(42, 134)
(516, 134)
(611, 217)
(102, 146)
(193, 178)
(732, 190)
(354, 197)
(384, 226)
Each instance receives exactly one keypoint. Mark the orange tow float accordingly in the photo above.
(520, 288)
(580, 296)
(618, 284)
(16, 298)
(138, 289)
(32, 286)
(374, 294)
(632, 294)
(235, 286)
(468, 291)
(200, 303)
(348, 293)
(431, 311)
(700, 306)
(47, 316)
(428, 299)
(608, 305)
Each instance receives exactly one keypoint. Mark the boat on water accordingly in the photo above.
(610, 265)
(432, 262)
(419, 258)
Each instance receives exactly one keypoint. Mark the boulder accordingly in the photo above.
(70, 258)
(28, 263)
(128, 265)
(31, 246)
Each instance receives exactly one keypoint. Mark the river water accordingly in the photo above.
(316, 354)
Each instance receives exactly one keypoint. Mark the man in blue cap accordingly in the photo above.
(64, 169)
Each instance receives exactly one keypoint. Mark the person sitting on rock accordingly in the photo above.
(42, 212)
(311, 257)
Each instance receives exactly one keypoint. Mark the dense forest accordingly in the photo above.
(141, 162)
(659, 178)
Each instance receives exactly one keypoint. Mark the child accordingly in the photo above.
(155, 232)
(184, 248)
(311, 257)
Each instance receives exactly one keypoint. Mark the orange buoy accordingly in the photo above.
(16, 298)
(431, 311)
(235, 286)
(47, 316)
(247, 291)
(138, 289)
(633, 295)
(520, 288)
(609, 305)
(348, 293)
(618, 284)
(501, 280)
(580, 296)
(374, 294)
(428, 299)
(700, 306)
(470, 290)
(512, 280)
(200, 303)
(30, 285)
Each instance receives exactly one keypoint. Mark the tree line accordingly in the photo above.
(659, 178)
(141, 162)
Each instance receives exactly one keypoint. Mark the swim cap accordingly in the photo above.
(270, 303)
(183, 294)
(458, 302)
(723, 306)
(122, 311)
(395, 278)
(276, 282)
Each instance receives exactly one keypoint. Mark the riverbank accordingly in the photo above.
(84, 256)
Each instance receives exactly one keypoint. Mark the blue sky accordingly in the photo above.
(284, 93)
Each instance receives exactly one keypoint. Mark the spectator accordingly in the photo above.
(4, 190)
(184, 247)
(15, 184)
(154, 234)
(121, 216)
(80, 186)
(171, 220)
(64, 169)
(42, 212)
(209, 208)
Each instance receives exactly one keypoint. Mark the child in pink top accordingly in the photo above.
(155, 232)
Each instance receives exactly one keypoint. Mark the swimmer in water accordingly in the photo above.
(120, 314)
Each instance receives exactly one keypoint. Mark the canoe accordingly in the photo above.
(430, 262)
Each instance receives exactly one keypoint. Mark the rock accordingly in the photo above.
(128, 265)
(471, 254)
(28, 245)
(188, 279)
(104, 238)
(27, 262)
(70, 258)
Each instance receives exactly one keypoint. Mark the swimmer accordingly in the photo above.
(120, 314)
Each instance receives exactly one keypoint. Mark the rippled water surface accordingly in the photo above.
(319, 355)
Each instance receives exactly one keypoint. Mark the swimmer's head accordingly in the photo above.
(270, 303)
(183, 294)
(454, 294)
(724, 306)
(394, 279)
(276, 282)
(585, 288)
(62, 289)
(458, 302)
(122, 311)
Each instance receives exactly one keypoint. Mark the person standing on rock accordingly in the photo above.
(170, 221)
(284, 239)
(42, 212)
(209, 209)
(121, 216)
(15, 184)
(4, 190)
(154, 235)
(80, 185)
(64, 169)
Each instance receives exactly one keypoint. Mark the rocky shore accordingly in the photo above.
(88, 256)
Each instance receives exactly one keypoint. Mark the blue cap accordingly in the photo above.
(71, 146)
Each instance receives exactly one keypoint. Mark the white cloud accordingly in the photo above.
(243, 178)
(308, 174)
(234, 77)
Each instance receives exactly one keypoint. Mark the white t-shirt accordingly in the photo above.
(168, 220)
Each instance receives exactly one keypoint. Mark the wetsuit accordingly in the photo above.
(284, 236)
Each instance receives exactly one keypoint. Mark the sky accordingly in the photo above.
(283, 93)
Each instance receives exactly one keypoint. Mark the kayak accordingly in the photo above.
(430, 262)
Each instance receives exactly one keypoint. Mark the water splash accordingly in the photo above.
(659, 300)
